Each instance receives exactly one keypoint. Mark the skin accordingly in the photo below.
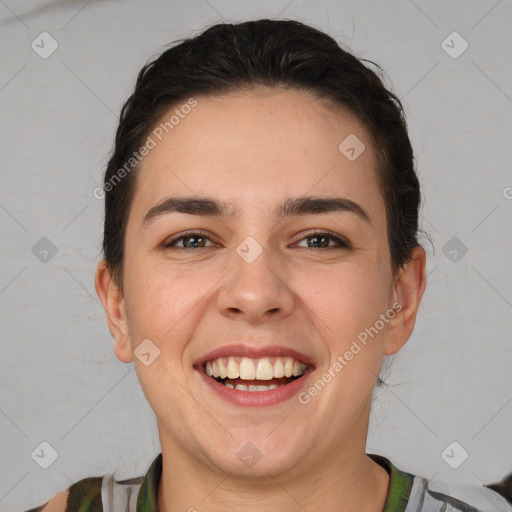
(254, 149)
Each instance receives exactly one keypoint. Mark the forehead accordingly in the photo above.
(250, 148)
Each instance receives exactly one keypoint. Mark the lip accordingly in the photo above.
(240, 350)
(257, 398)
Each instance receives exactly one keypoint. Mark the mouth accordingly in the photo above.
(249, 376)
(255, 374)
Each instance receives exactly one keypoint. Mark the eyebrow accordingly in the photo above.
(210, 207)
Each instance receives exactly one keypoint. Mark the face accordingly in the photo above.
(260, 281)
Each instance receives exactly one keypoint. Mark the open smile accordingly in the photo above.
(255, 382)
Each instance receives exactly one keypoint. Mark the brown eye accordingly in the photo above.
(321, 240)
(192, 240)
(197, 239)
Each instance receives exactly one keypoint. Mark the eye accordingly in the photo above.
(195, 236)
(319, 236)
(194, 239)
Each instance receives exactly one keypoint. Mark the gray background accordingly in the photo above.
(60, 380)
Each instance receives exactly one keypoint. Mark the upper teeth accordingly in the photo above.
(254, 369)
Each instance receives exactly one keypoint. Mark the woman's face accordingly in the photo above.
(260, 281)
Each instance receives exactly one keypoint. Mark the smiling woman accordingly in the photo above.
(260, 260)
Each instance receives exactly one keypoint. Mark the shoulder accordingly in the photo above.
(471, 498)
(96, 494)
(57, 504)
(409, 492)
(83, 496)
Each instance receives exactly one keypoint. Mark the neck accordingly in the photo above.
(344, 479)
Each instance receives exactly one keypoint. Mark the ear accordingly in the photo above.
(407, 292)
(114, 305)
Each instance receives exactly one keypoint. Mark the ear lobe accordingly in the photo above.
(408, 292)
(114, 305)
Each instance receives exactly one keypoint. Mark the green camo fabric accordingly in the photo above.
(407, 493)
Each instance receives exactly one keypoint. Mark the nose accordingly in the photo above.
(256, 290)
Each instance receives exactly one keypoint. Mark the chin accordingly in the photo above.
(256, 458)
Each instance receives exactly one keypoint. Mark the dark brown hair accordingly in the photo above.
(272, 53)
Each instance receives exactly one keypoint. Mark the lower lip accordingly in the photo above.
(257, 398)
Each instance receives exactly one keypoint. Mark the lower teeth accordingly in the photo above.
(255, 387)
(243, 387)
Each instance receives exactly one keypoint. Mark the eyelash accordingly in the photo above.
(169, 244)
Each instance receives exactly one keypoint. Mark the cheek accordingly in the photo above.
(165, 301)
(350, 295)
(153, 299)
(346, 306)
